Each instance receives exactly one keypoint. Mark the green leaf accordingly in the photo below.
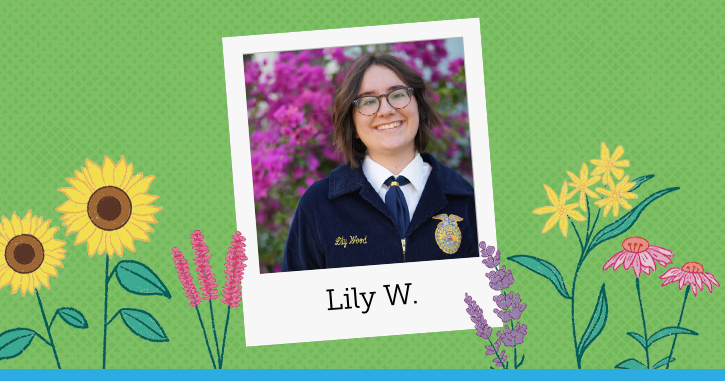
(14, 341)
(630, 364)
(596, 323)
(627, 221)
(139, 279)
(522, 361)
(639, 339)
(143, 324)
(73, 317)
(663, 362)
(640, 180)
(543, 268)
(668, 331)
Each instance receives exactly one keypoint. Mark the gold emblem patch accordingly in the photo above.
(448, 235)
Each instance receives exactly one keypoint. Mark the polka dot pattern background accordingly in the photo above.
(147, 81)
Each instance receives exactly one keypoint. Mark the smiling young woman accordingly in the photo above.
(390, 202)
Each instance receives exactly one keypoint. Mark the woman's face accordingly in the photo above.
(390, 131)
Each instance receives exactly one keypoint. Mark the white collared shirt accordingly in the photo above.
(417, 171)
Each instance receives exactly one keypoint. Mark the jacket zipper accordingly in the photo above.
(403, 241)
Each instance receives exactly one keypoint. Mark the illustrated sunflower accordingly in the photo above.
(29, 253)
(108, 207)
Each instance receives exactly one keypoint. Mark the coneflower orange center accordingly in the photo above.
(693, 267)
(635, 244)
(109, 208)
(24, 254)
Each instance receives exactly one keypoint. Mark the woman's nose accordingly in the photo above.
(385, 107)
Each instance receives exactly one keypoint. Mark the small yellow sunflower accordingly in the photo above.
(108, 207)
(29, 253)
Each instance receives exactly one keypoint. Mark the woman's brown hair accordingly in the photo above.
(342, 108)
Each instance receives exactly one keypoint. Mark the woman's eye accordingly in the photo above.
(368, 102)
(398, 95)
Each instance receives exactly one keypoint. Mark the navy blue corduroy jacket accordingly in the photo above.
(342, 222)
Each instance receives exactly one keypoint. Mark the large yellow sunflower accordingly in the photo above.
(108, 207)
(28, 253)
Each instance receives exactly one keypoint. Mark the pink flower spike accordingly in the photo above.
(232, 290)
(639, 255)
(182, 267)
(691, 273)
(203, 267)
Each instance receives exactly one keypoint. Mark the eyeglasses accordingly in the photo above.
(369, 105)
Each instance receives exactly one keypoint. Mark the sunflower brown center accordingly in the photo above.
(635, 244)
(693, 267)
(109, 208)
(24, 254)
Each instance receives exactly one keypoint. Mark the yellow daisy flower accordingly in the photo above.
(560, 210)
(617, 196)
(108, 207)
(29, 253)
(607, 165)
(581, 184)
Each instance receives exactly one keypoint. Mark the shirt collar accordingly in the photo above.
(344, 179)
(377, 174)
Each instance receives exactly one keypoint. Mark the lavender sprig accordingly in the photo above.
(483, 330)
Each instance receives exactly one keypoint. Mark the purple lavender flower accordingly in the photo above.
(500, 279)
(483, 330)
(491, 261)
(491, 350)
(505, 302)
(511, 337)
(503, 359)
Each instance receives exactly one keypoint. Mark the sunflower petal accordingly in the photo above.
(48, 269)
(53, 245)
(70, 219)
(43, 278)
(116, 243)
(127, 177)
(77, 225)
(102, 243)
(126, 238)
(94, 242)
(75, 195)
(146, 210)
(81, 187)
(85, 233)
(26, 222)
(120, 172)
(148, 218)
(108, 167)
(96, 174)
(48, 235)
(5, 277)
(42, 229)
(89, 179)
(72, 207)
(17, 224)
(24, 283)
(82, 178)
(33, 225)
(109, 246)
(143, 199)
(132, 181)
(136, 232)
(140, 187)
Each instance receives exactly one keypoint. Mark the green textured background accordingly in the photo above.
(147, 81)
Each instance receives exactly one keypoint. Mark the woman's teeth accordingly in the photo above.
(388, 126)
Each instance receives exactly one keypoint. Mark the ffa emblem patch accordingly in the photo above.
(448, 235)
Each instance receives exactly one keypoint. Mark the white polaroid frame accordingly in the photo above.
(295, 306)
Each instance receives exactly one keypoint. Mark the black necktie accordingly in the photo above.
(395, 200)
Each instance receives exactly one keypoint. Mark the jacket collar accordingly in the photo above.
(344, 179)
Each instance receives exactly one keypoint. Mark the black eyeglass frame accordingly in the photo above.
(408, 90)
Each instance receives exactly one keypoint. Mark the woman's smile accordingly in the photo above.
(388, 126)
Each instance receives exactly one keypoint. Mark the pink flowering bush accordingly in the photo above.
(291, 130)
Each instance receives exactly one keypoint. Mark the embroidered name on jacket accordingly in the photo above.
(448, 234)
(354, 240)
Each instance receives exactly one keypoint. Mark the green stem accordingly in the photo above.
(47, 328)
(206, 340)
(105, 312)
(515, 353)
(573, 322)
(224, 340)
(687, 291)
(213, 327)
(53, 319)
(644, 324)
(113, 317)
(496, 351)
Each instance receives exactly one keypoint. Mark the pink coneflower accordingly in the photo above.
(691, 273)
(203, 266)
(232, 290)
(640, 255)
(182, 267)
